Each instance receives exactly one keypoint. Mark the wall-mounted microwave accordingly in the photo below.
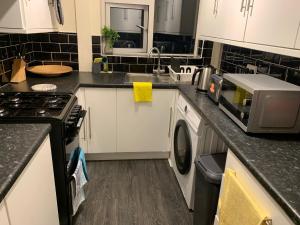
(260, 103)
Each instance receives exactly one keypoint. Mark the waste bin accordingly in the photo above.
(209, 170)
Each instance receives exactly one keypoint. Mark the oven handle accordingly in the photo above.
(81, 119)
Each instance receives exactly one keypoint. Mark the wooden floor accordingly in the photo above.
(137, 192)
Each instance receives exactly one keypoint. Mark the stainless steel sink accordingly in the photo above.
(146, 77)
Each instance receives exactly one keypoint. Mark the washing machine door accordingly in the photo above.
(182, 147)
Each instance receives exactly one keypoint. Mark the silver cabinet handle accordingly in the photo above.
(170, 122)
(84, 131)
(90, 127)
(215, 3)
(250, 6)
(243, 6)
(217, 6)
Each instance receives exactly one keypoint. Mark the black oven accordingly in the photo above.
(65, 116)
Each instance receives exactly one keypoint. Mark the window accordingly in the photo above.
(131, 22)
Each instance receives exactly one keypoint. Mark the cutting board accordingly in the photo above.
(49, 70)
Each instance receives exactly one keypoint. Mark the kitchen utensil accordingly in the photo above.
(203, 78)
(184, 75)
(215, 86)
(50, 70)
(44, 87)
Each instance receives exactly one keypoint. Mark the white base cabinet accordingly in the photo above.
(144, 127)
(27, 16)
(101, 119)
(32, 199)
(297, 46)
(116, 124)
(3, 214)
(256, 191)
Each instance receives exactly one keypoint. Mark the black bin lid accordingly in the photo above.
(212, 166)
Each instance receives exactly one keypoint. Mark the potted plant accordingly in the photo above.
(110, 37)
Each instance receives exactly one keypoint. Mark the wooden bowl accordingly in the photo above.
(49, 70)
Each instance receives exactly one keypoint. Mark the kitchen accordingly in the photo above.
(150, 147)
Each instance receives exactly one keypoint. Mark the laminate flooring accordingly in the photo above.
(135, 192)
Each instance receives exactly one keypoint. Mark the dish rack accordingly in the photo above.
(185, 75)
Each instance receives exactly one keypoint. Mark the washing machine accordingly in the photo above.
(191, 136)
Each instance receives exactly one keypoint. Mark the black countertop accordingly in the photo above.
(273, 159)
(19, 142)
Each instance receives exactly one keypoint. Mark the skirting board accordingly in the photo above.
(126, 156)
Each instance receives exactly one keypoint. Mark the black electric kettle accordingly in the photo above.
(204, 77)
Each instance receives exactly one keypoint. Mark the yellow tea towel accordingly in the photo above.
(142, 91)
(236, 207)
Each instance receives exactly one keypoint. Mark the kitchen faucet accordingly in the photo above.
(158, 71)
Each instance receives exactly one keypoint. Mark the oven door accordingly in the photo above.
(182, 147)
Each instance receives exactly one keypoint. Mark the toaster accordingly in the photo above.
(215, 87)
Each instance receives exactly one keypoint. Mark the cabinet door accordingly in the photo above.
(69, 17)
(144, 127)
(298, 40)
(3, 214)
(39, 14)
(207, 18)
(83, 138)
(231, 19)
(256, 191)
(32, 199)
(102, 119)
(273, 22)
(10, 14)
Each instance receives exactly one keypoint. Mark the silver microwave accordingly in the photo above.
(260, 103)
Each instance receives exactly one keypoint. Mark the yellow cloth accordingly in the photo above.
(236, 207)
(142, 91)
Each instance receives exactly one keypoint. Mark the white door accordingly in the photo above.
(3, 214)
(32, 199)
(144, 127)
(231, 19)
(207, 18)
(298, 40)
(39, 14)
(273, 22)
(83, 137)
(101, 119)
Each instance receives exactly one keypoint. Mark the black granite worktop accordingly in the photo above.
(18, 143)
(70, 83)
(273, 159)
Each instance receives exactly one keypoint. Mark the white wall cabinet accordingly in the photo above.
(83, 137)
(231, 19)
(27, 16)
(69, 17)
(101, 119)
(144, 127)
(273, 22)
(32, 199)
(256, 191)
(260, 24)
(297, 46)
(3, 214)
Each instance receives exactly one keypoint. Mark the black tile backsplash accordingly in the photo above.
(235, 60)
(141, 64)
(42, 48)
